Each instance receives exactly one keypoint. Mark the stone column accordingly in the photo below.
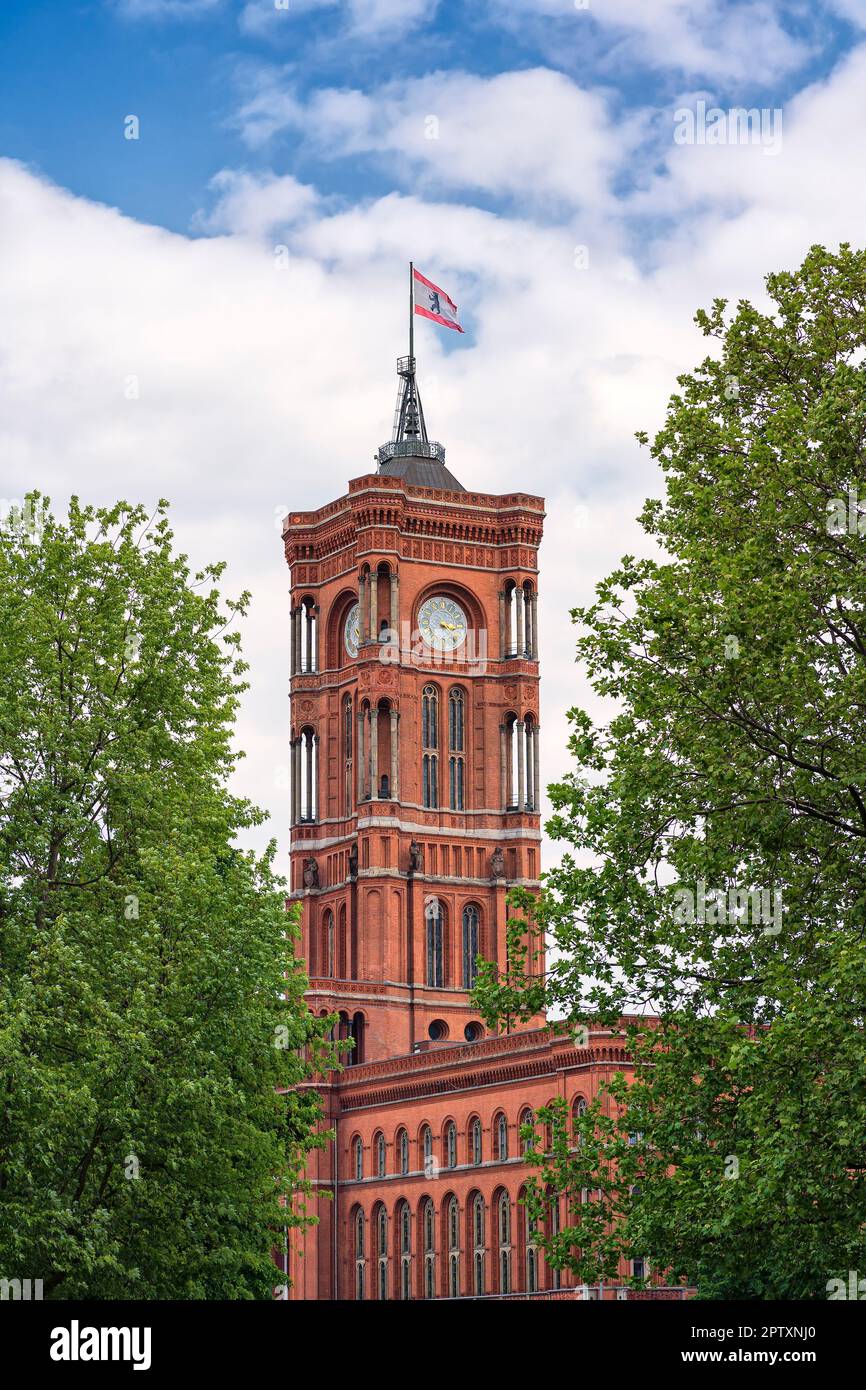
(503, 766)
(360, 755)
(395, 605)
(308, 636)
(296, 641)
(518, 599)
(298, 759)
(363, 607)
(501, 623)
(374, 607)
(293, 788)
(395, 754)
(308, 771)
(521, 759)
(536, 775)
(374, 751)
(534, 625)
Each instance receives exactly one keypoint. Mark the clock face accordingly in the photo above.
(442, 623)
(352, 630)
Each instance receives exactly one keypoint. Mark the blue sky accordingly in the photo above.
(212, 312)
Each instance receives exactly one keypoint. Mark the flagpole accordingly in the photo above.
(411, 315)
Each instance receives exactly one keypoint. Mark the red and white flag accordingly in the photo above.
(433, 303)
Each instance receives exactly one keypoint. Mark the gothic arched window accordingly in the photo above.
(453, 1248)
(435, 954)
(475, 1141)
(403, 1151)
(358, 1158)
(470, 945)
(456, 747)
(451, 1145)
(428, 1223)
(427, 1147)
(379, 1149)
(404, 1235)
(430, 746)
(360, 1236)
(501, 1132)
(503, 1222)
(347, 754)
(328, 962)
(381, 1225)
(526, 1118)
(478, 1244)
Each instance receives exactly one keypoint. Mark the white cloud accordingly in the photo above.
(532, 134)
(254, 204)
(702, 38)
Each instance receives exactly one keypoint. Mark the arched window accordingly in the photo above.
(358, 1158)
(501, 1132)
(553, 1226)
(435, 953)
(404, 1237)
(578, 1110)
(380, 1225)
(475, 1140)
(503, 1225)
(379, 1150)
(429, 746)
(427, 1148)
(328, 961)
(456, 748)
(453, 1248)
(526, 1118)
(478, 1244)
(451, 1145)
(428, 1222)
(348, 734)
(470, 945)
(360, 1236)
(531, 1252)
(403, 1151)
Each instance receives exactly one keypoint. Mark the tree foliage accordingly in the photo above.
(152, 1022)
(733, 771)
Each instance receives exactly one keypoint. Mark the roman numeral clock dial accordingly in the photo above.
(442, 623)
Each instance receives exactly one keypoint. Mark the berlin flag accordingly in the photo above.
(433, 303)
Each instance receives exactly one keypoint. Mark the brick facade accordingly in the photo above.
(401, 861)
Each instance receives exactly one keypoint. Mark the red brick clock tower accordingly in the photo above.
(414, 739)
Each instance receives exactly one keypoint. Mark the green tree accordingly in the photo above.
(153, 1029)
(733, 775)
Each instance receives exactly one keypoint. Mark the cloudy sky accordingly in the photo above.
(528, 155)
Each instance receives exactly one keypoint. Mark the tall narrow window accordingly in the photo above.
(328, 945)
(435, 958)
(470, 945)
(380, 1155)
(478, 1244)
(404, 1228)
(430, 746)
(427, 1147)
(453, 1248)
(358, 1155)
(403, 1151)
(428, 1217)
(348, 724)
(382, 1251)
(456, 748)
(503, 1220)
(501, 1137)
(526, 1118)
(475, 1141)
(451, 1145)
(531, 1252)
(555, 1275)
(360, 1235)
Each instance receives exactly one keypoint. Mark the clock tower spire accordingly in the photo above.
(415, 738)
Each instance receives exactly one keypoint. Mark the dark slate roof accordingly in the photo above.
(421, 473)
